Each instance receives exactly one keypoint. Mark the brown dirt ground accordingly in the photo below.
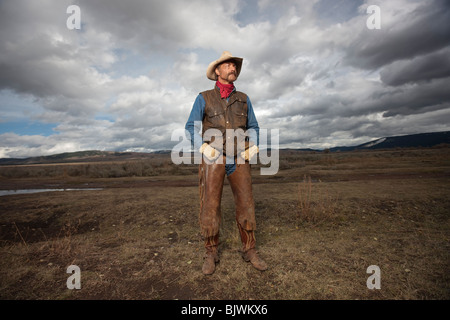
(138, 237)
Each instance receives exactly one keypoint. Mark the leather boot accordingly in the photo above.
(209, 262)
(211, 256)
(256, 261)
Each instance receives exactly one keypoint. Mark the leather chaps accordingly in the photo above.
(211, 181)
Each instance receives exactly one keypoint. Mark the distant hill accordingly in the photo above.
(420, 140)
(82, 156)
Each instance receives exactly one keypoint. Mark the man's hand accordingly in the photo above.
(209, 152)
(248, 154)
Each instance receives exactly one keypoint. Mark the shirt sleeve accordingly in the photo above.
(194, 123)
(252, 123)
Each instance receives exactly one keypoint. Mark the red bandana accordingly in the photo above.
(225, 89)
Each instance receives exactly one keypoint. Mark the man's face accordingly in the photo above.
(226, 72)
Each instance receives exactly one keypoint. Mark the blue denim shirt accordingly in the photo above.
(194, 123)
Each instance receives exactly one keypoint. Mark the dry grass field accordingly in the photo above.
(323, 219)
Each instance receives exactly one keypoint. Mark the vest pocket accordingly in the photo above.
(214, 114)
(216, 118)
(239, 112)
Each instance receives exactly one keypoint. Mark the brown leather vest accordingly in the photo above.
(222, 115)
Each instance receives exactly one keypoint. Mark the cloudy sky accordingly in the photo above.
(127, 79)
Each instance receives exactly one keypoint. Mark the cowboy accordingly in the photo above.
(228, 150)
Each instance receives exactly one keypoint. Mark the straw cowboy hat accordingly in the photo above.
(226, 56)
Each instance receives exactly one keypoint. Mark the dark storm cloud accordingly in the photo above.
(423, 68)
(25, 40)
(417, 99)
(424, 30)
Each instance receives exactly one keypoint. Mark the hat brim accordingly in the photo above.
(211, 71)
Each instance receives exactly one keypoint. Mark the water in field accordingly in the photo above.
(26, 191)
